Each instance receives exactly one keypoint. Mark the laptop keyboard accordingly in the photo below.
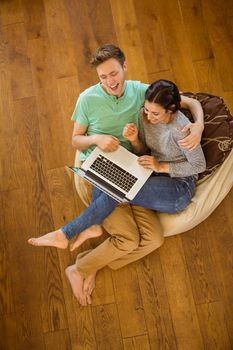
(113, 173)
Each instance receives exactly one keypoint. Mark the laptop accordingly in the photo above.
(116, 173)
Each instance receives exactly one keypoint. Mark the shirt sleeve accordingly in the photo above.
(195, 162)
(80, 114)
(143, 88)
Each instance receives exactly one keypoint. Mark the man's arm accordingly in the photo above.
(81, 141)
(191, 141)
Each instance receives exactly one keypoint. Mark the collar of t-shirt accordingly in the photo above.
(114, 98)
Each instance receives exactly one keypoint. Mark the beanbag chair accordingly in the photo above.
(217, 137)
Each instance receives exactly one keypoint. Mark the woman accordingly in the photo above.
(171, 186)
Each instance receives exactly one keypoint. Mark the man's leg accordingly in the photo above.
(120, 249)
(151, 237)
(124, 239)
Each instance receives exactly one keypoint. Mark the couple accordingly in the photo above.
(107, 115)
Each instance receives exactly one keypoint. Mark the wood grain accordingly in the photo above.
(109, 335)
(59, 32)
(218, 18)
(213, 326)
(177, 44)
(19, 62)
(196, 31)
(34, 18)
(155, 303)
(180, 296)
(129, 38)
(200, 265)
(208, 77)
(137, 343)
(128, 300)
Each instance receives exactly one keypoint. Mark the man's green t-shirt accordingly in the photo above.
(106, 114)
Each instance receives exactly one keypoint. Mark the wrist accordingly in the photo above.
(200, 125)
(163, 168)
(95, 139)
(134, 142)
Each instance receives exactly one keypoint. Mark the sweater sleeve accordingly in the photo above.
(193, 164)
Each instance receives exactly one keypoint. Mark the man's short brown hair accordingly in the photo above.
(106, 52)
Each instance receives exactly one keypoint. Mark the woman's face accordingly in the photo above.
(156, 114)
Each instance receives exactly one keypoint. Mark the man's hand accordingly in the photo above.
(107, 143)
(130, 132)
(194, 138)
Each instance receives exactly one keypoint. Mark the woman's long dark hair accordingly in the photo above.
(165, 93)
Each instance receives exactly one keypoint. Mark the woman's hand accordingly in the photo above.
(149, 162)
(130, 132)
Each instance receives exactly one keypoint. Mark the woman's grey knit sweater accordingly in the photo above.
(162, 142)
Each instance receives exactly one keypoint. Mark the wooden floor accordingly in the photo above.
(179, 297)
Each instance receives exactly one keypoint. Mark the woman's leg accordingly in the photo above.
(101, 206)
(165, 194)
(160, 193)
(86, 223)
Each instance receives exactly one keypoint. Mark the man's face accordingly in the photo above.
(112, 76)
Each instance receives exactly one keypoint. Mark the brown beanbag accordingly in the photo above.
(217, 137)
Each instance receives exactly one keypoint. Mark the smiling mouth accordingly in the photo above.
(114, 87)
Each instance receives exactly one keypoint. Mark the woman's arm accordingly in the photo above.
(184, 163)
(193, 162)
(130, 132)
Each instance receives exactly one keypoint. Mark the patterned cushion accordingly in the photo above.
(217, 137)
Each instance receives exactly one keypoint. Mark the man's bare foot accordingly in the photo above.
(90, 232)
(77, 282)
(89, 285)
(52, 239)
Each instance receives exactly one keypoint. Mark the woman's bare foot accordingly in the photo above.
(77, 282)
(90, 232)
(52, 239)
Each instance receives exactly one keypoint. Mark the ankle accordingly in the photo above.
(60, 234)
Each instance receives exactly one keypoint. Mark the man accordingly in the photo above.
(100, 115)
